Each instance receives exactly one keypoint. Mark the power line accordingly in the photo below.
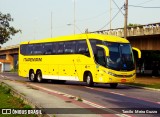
(93, 17)
(117, 6)
(112, 18)
(143, 6)
(145, 2)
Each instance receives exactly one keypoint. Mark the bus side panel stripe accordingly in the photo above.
(73, 78)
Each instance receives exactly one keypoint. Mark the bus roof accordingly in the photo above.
(109, 38)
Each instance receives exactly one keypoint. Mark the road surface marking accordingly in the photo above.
(89, 88)
(93, 104)
(2, 76)
(84, 101)
(116, 93)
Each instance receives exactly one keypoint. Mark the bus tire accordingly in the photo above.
(113, 85)
(89, 79)
(39, 76)
(32, 76)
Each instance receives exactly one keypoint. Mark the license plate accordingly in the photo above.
(123, 80)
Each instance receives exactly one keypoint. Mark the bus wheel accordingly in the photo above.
(39, 76)
(89, 79)
(32, 76)
(113, 85)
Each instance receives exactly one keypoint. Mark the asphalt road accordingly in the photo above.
(122, 97)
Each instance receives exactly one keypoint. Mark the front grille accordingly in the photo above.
(124, 76)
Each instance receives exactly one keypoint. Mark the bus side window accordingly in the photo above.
(47, 48)
(37, 49)
(93, 43)
(54, 47)
(100, 56)
(23, 49)
(60, 49)
(82, 48)
(70, 47)
(29, 49)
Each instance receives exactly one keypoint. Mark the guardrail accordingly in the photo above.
(141, 30)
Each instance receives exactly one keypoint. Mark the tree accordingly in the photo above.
(6, 31)
(133, 25)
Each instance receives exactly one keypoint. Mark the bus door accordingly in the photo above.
(82, 60)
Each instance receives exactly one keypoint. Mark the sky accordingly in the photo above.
(36, 17)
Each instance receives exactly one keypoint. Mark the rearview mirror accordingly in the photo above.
(138, 51)
(105, 48)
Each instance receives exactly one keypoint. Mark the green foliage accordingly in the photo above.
(6, 90)
(133, 25)
(156, 86)
(6, 31)
(8, 101)
(27, 107)
(79, 99)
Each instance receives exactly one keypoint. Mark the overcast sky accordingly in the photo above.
(33, 17)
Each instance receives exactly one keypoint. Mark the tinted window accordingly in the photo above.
(60, 49)
(82, 48)
(100, 58)
(23, 49)
(70, 47)
(94, 42)
(54, 48)
(38, 49)
(47, 48)
(29, 49)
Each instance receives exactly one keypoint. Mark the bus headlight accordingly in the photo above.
(112, 74)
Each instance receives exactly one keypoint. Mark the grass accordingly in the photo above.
(8, 101)
(79, 99)
(156, 85)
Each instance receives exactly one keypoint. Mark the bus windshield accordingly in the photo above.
(121, 56)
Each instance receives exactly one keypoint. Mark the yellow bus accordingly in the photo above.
(90, 58)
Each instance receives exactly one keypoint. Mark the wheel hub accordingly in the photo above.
(32, 76)
(88, 79)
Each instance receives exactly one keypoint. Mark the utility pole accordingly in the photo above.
(110, 14)
(74, 30)
(125, 19)
(51, 24)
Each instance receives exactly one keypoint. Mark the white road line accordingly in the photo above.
(89, 88)
(110, 92)
(123, 115)
(93, 104)
(5, 76)
(2, 76)
(116, 93)
(84, 101)
(53, 91)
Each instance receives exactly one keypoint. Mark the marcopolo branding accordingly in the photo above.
(32, 59)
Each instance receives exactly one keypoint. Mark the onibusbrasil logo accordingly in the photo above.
(21, 111)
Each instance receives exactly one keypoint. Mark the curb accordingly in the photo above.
(15, 93)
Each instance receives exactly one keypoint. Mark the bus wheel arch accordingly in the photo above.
(87, 77)
(39, 76)
(32, 75)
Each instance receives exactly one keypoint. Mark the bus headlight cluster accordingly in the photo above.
(112, 74)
